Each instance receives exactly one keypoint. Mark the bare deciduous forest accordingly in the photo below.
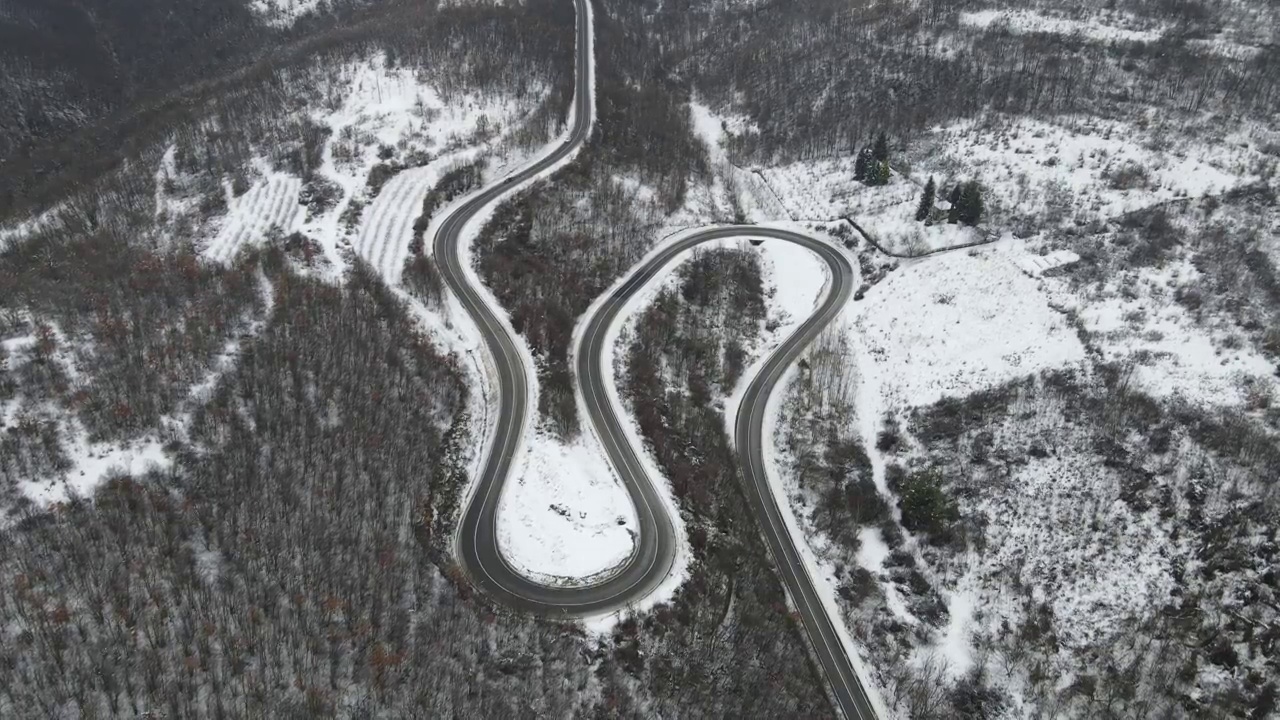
(291, 556)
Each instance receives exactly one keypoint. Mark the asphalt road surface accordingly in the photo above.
(651, 561)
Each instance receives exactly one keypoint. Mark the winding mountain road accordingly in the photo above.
(651, 562)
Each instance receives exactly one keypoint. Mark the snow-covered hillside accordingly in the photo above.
(283, 13)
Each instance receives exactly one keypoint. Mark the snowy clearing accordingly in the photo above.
(820, 190)
(1104, 27)
(958, 323)
(94, 463)
(1107, 27)
(1134, 319)
(565, 520)
(377, 113)
(282, 13)
(386, 228)
(1077, 169)
(89, 463)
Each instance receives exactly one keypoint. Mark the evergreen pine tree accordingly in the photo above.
(926, 200)
(882, 173)
(953, 214)
(862, 166)
(881, 151)
(971, 205)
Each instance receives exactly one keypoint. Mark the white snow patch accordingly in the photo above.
(566, 520)
(1096, 27)
(18, 231)
(958, 323)
(873, 551)
(1037, 265)
(1136, 320)
(93, 463)
(270, 204)
(956, 643)
(282, 13)
(1102, 27)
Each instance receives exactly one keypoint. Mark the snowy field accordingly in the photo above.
(822, 190)
(387, 226)
(1079, 169)
(961, 322)
(1101, 27)
(565, 518)
(1133, 319)
(1037, 175)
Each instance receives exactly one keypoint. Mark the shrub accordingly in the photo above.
(926, 508)
(319, 195)
(1130, 176)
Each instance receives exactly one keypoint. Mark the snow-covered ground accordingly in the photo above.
(792, 276)
(1078, 169)
(1037, 174)
(387, 226)
(961, 322)
(1133, 319)
(971, 320)
(1104, 27)
(1109, 27)
(270, 204)
(565, 519)
(90, 463)
(824, 189)
(282, 13)
(14, 232)
(374, 108)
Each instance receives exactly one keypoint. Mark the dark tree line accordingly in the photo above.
(966, 202)
(818, 76)
(280, 570)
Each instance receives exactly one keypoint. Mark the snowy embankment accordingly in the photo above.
(797, 281)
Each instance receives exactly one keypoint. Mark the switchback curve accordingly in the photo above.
(477, 544)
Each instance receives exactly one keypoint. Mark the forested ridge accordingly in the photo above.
(285, 561)
(290, 554)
